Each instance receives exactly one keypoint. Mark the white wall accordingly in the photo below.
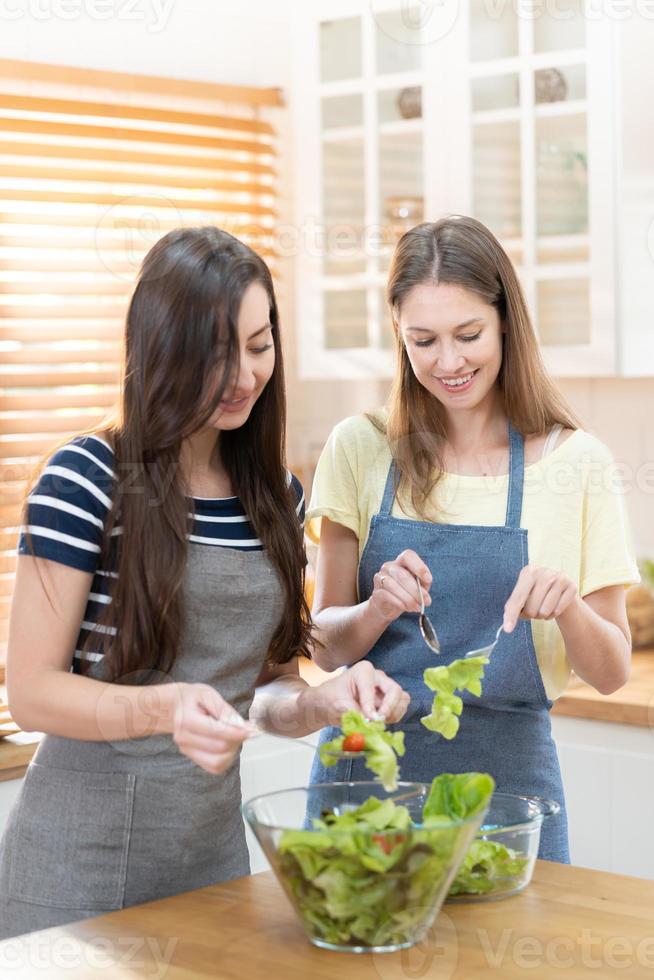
(619, 411)
(242, 43)
(635, 112)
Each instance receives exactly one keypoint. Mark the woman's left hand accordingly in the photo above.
(365, 689)
(539, 593)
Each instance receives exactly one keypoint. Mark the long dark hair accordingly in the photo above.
(462, 251)
(181, 350)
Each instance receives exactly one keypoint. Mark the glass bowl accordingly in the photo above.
(355, 889)
(500, 860)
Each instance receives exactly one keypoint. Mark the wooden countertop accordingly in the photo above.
(569, 921)
(631, 705)
(16, 752)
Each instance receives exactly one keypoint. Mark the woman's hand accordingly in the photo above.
(362, 688)
(539, 593)
(206, 728)
(395, 588)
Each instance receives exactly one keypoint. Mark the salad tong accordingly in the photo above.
(486, 651)
(426, 626)
(431, 639)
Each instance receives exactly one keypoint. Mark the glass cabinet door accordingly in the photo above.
(531, 155)
(340, 49)
(561, 202)
(489, 115)
(372, 170)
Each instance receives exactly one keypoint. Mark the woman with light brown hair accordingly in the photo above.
(479, 482)
(159, 603)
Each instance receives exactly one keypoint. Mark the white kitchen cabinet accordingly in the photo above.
(635, 190)
(405, 110)
(608, 775)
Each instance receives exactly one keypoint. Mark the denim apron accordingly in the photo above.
(99, 826)
(507, 730)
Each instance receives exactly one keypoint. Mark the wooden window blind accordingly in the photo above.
(94, 167)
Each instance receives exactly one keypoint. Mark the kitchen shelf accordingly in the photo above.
(343, 134)
(398, 127)
(535, 61)
(579, 107)
(349, 86)
(355, 86)
(543, 110)
(489, 117)
(402, 80)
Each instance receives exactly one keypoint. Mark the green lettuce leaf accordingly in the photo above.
(489, 867)
(380, 751)
(460, 675)
(366, 876)
(457, 796)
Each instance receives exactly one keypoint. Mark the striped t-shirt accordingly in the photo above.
(68, 507)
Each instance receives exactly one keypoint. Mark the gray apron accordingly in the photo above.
(104, 825)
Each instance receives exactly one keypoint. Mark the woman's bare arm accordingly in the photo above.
(347, 628)
(597, 638)
(46, 614)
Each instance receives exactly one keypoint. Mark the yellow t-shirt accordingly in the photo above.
(572, 509)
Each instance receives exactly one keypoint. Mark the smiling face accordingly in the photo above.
(257, 360)
(453, 339)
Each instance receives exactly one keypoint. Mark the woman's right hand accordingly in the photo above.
(206, 728)
(395, 590)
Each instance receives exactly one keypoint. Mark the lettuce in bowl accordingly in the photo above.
(374, 875)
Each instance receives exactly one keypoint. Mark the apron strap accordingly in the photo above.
(389, 491)
(516, 477)
(516, 482)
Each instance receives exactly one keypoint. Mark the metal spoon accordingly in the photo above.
(486, 651)
(426, 627)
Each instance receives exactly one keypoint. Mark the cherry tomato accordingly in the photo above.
(356, 742)
(388, 841)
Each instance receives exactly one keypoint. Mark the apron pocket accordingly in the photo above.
(70, 838)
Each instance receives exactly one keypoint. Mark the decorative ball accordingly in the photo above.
(409, 102)
(551, 85)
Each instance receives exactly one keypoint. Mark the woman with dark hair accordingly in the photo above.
(479, 482)
(160, 582)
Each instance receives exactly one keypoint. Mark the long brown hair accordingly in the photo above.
(461, 251)
(181, 350)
